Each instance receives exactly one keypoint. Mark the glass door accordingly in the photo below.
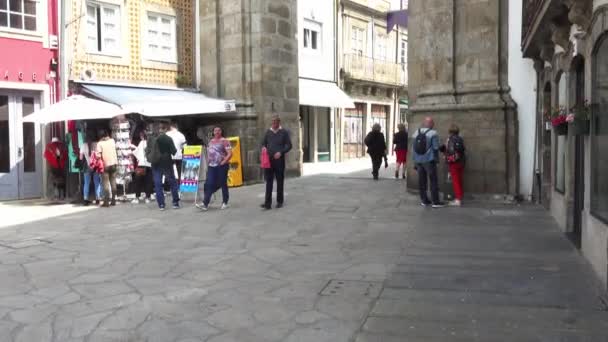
(9, 181)
(29, 151)
(20, 147)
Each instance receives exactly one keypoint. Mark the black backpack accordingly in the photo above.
(420, 144)
(152, 151)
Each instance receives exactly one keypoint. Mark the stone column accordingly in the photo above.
(249, 52)
(458, 74)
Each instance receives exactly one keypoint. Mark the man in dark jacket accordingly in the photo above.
(164, 167)
(376, 147)
(277, 143)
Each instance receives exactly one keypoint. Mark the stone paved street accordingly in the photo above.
(347, 259)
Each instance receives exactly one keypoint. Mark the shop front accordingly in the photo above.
(319, 103)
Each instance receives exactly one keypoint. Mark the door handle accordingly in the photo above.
(19, 152)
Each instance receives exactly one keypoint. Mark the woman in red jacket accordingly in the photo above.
(56, 155)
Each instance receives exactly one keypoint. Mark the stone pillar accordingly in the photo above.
(249, 52)
(458, 74)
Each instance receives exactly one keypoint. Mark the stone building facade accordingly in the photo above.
(458, 74)
(249, 52)
(373, 73)
(566, 39)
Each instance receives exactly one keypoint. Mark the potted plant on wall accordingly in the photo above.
(558, 121)
(578, 119)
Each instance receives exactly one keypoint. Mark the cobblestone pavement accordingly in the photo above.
(347, 259)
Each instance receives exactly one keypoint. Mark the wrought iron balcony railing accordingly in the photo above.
(531, 10)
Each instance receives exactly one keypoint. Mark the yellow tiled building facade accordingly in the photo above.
(131, 41)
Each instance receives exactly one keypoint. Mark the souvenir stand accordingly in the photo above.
(121, 133)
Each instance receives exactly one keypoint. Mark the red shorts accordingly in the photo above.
(401, 156)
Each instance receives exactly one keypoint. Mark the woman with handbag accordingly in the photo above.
(143, 172)
(454, 151)
(86, 152)
(219, 153)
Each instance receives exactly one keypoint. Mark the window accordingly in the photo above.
(599, 133)
(312, 36)
(381, 47)
(403, 51)
(160, 38)
(18, 14)
(357, 39)
(560, 149)
(103, 28)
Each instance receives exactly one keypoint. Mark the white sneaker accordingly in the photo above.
(147, 200)
(224, 206)
(455, 203)
(202, 207)
(135, 201)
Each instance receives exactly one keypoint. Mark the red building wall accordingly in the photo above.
(26, 61)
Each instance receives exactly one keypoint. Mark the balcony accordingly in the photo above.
(531, 10)
(376, 71)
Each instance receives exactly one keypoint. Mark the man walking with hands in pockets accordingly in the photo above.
(276, 143)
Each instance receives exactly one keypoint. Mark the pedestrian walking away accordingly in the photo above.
(142, 177)
(400, 147)
(426, 156)
(454, 151)
(219, 153)
(179, 140)
(277, 143)
(87, 151)
(106, 150)
(159, 150)
(376, 148)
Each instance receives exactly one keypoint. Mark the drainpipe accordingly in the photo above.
(197, 45)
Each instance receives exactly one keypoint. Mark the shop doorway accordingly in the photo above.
(354, 132)
(380, 116)
(316, 131)
(579, 156)
(20, 147)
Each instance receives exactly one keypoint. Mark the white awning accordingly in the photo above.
(75, 108)
(158, 102)
(323, 94)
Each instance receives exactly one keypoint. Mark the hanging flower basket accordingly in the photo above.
(578, 119)
(561, 129)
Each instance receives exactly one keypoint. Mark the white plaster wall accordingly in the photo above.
(317, 66)
(522, 80)
(595, 244)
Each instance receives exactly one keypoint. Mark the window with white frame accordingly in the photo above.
(103, 28)
(312, 36)
(357, 40)
(18, 14)
(403, 51)
(160, 42)
(381, 47)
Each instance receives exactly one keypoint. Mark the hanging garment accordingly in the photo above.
(56, 154)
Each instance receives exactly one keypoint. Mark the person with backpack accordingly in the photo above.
(376, 148)
(159, 152)
(454, 151)
(426, 156)
(400, 141)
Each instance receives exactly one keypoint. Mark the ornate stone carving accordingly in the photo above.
(547, 51)
(560, 35)
(580, 14)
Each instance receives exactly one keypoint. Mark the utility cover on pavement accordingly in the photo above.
(352, 288)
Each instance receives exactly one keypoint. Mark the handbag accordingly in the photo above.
(264, 159)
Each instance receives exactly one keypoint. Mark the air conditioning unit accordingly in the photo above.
(53, 42)
(88, 75)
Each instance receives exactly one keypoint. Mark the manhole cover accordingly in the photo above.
(342, 209)
(352, 288)
(24, 243)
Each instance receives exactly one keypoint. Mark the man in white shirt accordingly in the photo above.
(179, 140)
